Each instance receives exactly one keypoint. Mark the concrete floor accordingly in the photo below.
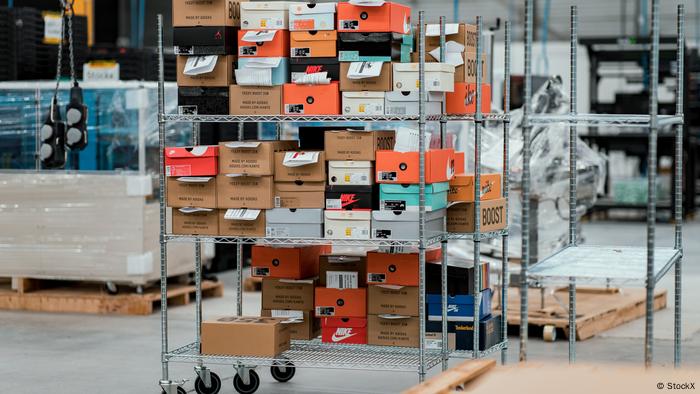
(66, 353)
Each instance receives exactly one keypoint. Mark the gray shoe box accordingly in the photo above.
(404, 224)
(294, 223)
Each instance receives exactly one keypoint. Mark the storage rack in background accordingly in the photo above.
(607, 265)
(313, 353)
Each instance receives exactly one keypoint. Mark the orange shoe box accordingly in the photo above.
(387, 18)
(462, 100)
(275, 48)
(462, 187)
(286, 263)
(340, 302)
(400, 269)
(460, 163)
(317, 43)
(311, 99)
(402, 167)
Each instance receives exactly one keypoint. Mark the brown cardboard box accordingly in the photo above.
(300, 195)
(342, 263)
(383, 83)
(242, 228)
(433, 340)
(307, 329)
(315, 172)
(181, 193)
(288, 294)
(460, 216)
(255, 100)
(357, 145)
(244, 192)
(395, 300)
(466, 36)
(251, 157)
(245, 336)
(206, 13)
(463, 73)
(221, 76)
(195, 223)
(385, 331)
(462, 187)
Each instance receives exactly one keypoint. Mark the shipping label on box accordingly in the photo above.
(244, 191)
(392, 330)
(288, 294)
(191, 192)
(341, 280)
(460, 216)
(195, 221)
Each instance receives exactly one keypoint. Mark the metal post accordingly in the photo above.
(421, 195)
(506, 173)
(477, 192)
(37, 129)
(239, 253)
(525, 226)
(651, 201)
(161, 183)
(678, 188)
(197, 267)
(443, 244)
(573, 48)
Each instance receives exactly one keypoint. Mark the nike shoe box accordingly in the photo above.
(459, 307)
(351, 198)
(298, 66)
(205, 40)
(345, 330)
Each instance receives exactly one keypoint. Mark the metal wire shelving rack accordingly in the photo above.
(607, 265)
(314, 353)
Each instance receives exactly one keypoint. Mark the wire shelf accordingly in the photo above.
(316, 354)
(603, 265)
(492, 117)
(285, 118)
(302, 241)
(473, 236)
(484, 353)
(605, 119)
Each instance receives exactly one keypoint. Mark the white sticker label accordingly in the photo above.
(325, 311)
(52, 28)
(333, 203)
(277, 232)
(288, 314)
(341, 280)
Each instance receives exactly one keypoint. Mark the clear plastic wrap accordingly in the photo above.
(549, 168)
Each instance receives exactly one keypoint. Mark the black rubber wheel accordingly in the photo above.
(281, 375)
(249, 388)
(200, 388)
(180, 390)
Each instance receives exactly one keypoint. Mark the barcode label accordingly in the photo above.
(349, 24)
(436, 83)
(376, 278)
(433, 343)
(341, 280)
(325, 311)
(333, 203)
(393, 205)
(294, 108)
(261, 271)
(167, 172)
(277, 232)
(396, 110)
(382, 234)
(248, 50)
(301, 52)
(287, 313)
(387, 175)
(278, 202)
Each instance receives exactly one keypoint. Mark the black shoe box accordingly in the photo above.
(489, 332)
(205, 40)
(203, 101)
(460, 280)
(352, 197)
(372, 44)
(300, 65)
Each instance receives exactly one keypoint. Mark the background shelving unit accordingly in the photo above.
(314, 353)
(607, 265)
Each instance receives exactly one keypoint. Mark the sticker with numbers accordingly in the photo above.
(349, 24)
(393, 205)
(301, 52)
(376, 278)
(287, 314)
(261, 271)
(277, 232)
(251, 50)
(325, 311)
(278, 202)
(396, 110)
(382, 234)
(341, 280)
(387, 175)
(294, 108)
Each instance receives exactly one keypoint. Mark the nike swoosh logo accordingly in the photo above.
(346, 203)
(343, 337)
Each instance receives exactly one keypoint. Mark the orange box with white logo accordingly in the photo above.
(286, 263)
(340, 302)
(462, 101)
(347, 330)
(402, 167)
(250, 46)
(321, 43)
(387, 18)
(311, 99)
(462, 187)
(400, 269)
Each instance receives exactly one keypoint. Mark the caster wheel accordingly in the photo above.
(200, 388)
(549, 333)
(283, 372)
(111, 288)
(180, 390)
(249, 388)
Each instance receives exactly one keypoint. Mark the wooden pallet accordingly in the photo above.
(597, 310)
(83, 297)
(252, 283)
(454, 378)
